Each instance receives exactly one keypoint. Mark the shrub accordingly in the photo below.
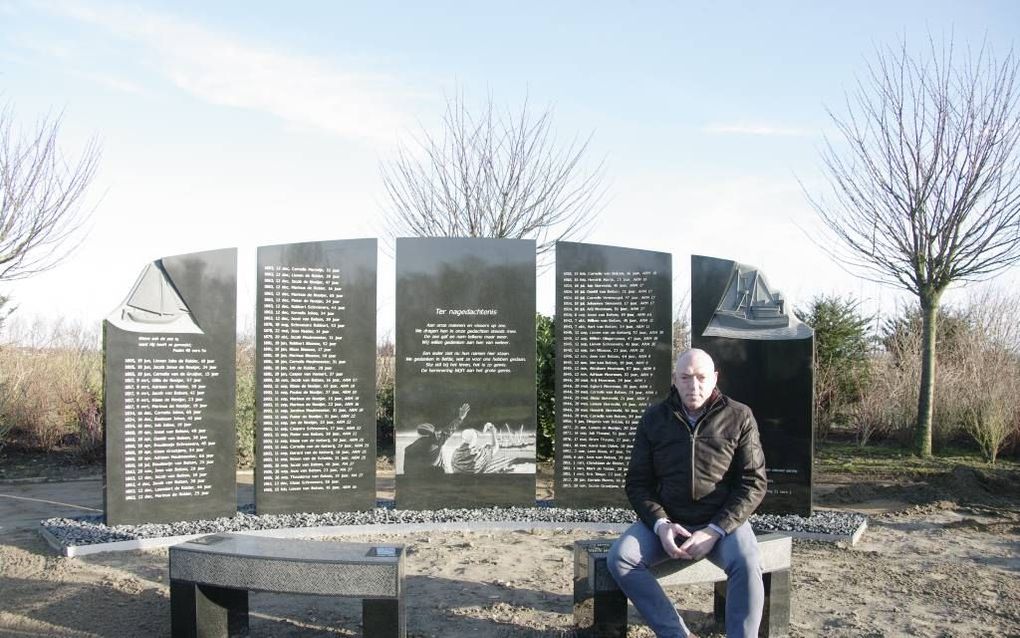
(901, 334)
(51, 376)
(6, 387)
(842, 363)
(901, 338)
(385, 435)
(993, 421)
(886, 405)
(6, 423)
(992, 366)
(91, 441)
(244, 414)
(545, 329)
(977, 376)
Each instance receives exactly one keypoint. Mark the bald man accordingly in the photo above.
(696, 474)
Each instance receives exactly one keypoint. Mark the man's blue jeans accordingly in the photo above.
(736, 553)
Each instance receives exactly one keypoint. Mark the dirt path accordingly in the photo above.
(923, 569)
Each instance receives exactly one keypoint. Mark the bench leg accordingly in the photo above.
(600, 614)
(775, 621)
(719, 603)
(383, 617)
(204, 611)
(600, 608)
(610, 615)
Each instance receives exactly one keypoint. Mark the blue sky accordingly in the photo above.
(248, 123)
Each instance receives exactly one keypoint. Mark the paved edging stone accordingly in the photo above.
(79, 535)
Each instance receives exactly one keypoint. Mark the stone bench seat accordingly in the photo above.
(600, 608)
(210, 579)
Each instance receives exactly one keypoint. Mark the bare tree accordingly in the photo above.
(42, 211)
(493, 174)
(925, 186)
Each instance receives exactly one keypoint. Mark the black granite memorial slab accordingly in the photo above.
(465, 403)
(765, 358)
(613, 339)
(169, 392)
(315, 377)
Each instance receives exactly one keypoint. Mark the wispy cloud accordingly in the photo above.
(755, 128)
(115, 83)
(222, 69)
(31, 43)
(68, 53)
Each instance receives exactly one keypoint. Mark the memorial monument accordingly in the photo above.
(169, 392)
(613, 341)
(465, 403)
(765, 358)
(315, 377)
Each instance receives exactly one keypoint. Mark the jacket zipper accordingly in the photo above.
(694, 438)
(694, 442)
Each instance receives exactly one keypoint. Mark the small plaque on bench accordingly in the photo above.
(386, 552)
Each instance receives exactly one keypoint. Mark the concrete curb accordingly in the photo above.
(72, 551)
(851, 539)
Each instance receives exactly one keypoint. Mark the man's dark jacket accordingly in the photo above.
(713, 474)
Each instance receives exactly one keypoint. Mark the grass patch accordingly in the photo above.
(891, 461)
(61, 463)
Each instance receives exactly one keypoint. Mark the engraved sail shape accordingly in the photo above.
(751, 309)
(153, 305)
(152, 298)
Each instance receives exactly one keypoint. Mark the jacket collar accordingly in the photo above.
(676, 404)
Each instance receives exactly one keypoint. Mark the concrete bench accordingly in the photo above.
(600, 608)
(210, 579)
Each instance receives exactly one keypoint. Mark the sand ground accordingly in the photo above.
(939, 559)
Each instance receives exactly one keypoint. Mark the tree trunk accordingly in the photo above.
(926, 396)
